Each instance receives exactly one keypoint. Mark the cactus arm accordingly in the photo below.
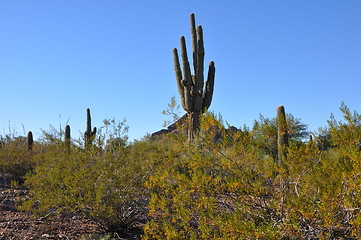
(88, 121)
(194, 42)
(199, 77)
(208, 93)
(187, 81)
(178, 74)
(200, 59)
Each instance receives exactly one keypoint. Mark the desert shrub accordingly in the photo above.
(15, 159)
(345, 137)
(104, 184)
(209, 192)
(234, 190)
(223, 185)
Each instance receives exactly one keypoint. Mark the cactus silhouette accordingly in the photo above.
(194, 96)
(89, 135)
(67, 137)
(282, 141)
(30, 140)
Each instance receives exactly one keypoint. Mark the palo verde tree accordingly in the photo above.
(194, 96)
(265, 133)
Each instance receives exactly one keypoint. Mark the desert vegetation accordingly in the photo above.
(226, 184)
(206, 180)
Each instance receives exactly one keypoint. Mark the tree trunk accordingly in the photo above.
(193, 125)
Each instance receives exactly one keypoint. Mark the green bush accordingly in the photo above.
(234, 190)
(15, 158)
(208, 191)
(224, 185)
(104, 184)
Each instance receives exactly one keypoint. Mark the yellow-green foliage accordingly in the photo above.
(265, 133)
(15, 159)
(98, 185)
(106, 185)
(224, 185)
(207, 192)
(228, 190)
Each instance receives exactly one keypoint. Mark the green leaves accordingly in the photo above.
(224, 185)
(106, 185)
(231, 190)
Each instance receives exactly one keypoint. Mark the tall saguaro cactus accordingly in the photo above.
(89, 135)
(282, 140)
(194, 96)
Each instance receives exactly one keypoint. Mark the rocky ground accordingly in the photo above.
(15, 224)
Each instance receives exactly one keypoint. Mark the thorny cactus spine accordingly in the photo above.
(194, 96)
(67, 137)
(30, 140)
(282, 140)
(89, 135)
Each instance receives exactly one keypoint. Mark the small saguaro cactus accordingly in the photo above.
(194, 96)
(67, 137)
(282, 140)
(89, 135)
(30, 140)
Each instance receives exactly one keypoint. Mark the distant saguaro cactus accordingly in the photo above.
(30, 140)
(67, 137)
(194, 96)
(89, 135)
(282, 134)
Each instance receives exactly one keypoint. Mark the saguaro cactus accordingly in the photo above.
(89, 135)
(67, 137)
(282, 134)
(30, 140)
(194, 96)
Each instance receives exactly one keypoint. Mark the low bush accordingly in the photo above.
(15, 158)
(231, 190)
(103, 184)
(224, 185)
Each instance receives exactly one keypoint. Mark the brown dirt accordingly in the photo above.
(16, 224)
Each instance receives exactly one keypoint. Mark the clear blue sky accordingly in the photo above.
(115, 57)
